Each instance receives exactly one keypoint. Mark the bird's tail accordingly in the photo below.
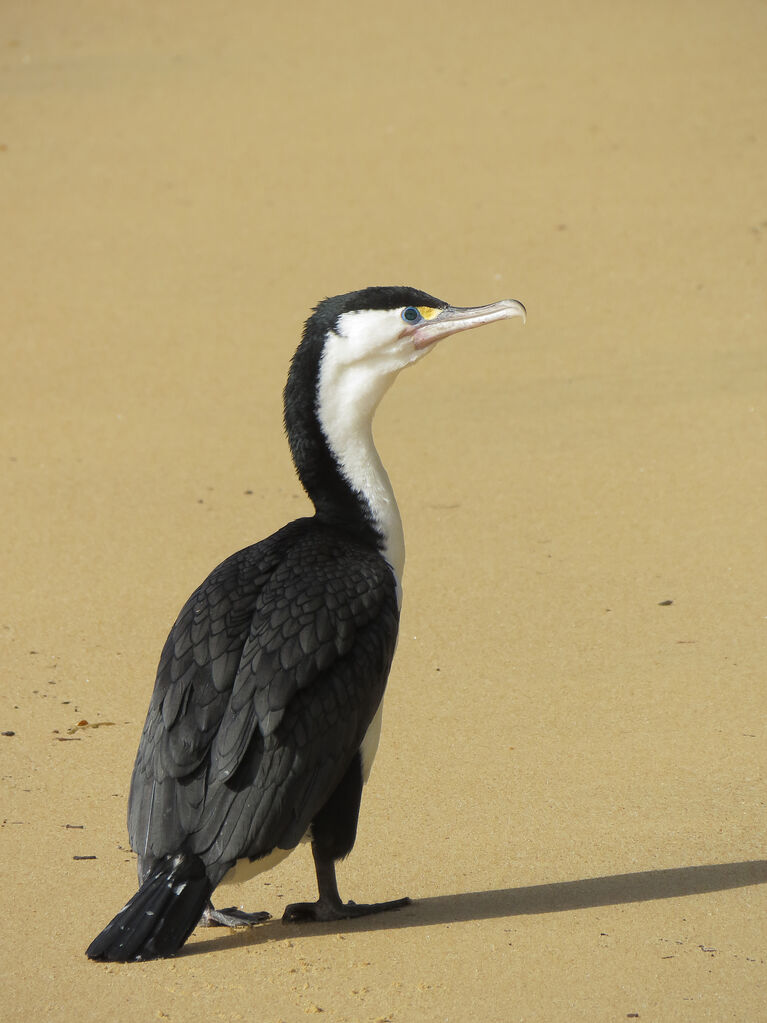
(160, 916)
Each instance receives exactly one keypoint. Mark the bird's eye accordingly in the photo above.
(411, 314)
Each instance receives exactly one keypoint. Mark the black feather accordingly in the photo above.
(238, 765)
(160, 916)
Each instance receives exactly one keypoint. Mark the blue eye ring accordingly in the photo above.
(411, 314)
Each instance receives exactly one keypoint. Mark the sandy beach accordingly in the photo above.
(571, 783)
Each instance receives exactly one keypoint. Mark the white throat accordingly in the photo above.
(349, 391)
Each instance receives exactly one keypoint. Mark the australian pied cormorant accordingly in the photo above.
(266, 711)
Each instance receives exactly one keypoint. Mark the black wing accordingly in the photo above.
(265, 689)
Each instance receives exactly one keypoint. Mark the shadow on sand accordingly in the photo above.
(559, 897)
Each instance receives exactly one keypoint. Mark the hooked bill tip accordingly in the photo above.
(515, 308)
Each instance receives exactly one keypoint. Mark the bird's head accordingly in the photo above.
(362, 340)
(379, 331)
(352, 349)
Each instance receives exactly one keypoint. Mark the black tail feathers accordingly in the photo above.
(160, 916)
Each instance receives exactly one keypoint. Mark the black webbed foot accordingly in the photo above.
(231, 917)
(329, 906)
(324, 910)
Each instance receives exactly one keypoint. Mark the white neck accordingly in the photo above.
(347, 398)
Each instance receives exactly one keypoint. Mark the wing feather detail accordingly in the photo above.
(266, 685)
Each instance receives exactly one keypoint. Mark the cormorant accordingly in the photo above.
(266, 711)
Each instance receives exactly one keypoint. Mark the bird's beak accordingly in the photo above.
(451, 320)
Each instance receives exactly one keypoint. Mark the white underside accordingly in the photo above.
(245, 869)
(370, 743)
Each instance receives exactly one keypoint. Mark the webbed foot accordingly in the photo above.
(231, 917)
(324, 910)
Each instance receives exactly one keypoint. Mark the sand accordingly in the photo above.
(571, 780)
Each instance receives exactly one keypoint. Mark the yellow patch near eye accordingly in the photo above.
(428, 312)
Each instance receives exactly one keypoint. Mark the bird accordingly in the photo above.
(266, 711)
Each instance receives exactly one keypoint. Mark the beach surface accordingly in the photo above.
(572, 778)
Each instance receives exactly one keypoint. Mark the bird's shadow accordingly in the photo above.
(558, 897)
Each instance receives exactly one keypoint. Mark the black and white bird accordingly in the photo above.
(266, 711)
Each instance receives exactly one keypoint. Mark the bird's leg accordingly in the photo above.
(329, 906)
(231, 917)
